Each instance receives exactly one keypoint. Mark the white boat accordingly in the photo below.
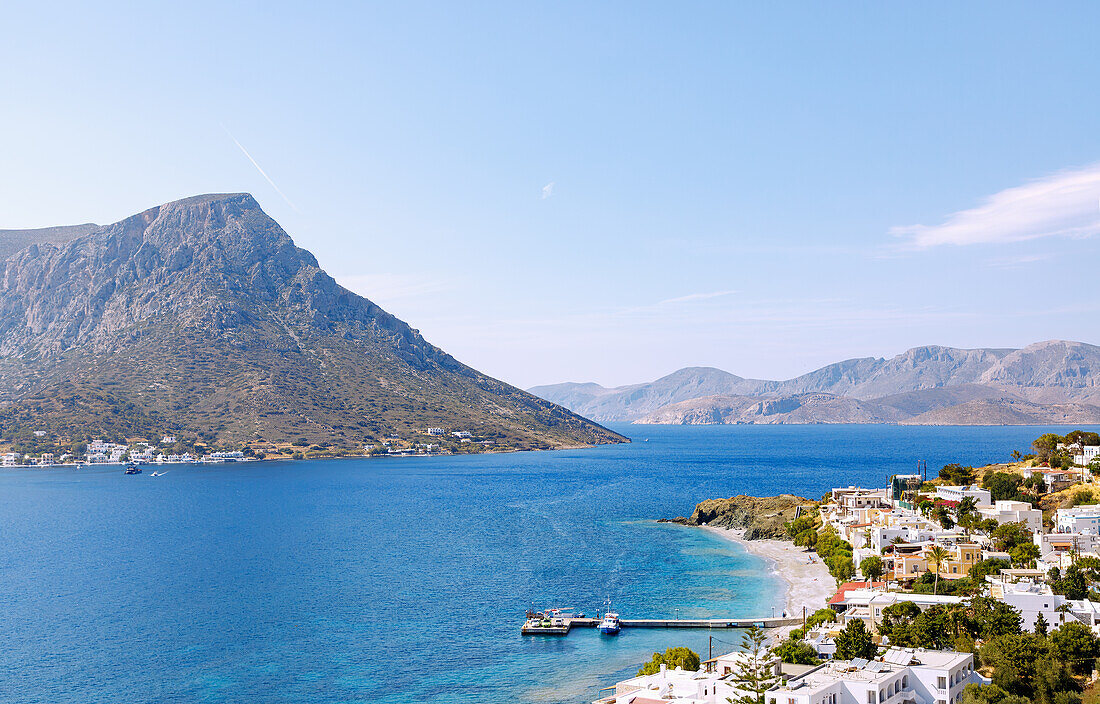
(609, 625)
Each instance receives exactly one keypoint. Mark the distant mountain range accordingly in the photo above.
(1048, 382)
(201, 316)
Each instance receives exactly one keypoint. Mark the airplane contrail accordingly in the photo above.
(260, 169)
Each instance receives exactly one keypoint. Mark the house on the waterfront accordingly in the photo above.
(902, 675)
(10, 459)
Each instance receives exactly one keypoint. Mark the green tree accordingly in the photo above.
(753, 677)
(980, 570)
(821, 616)
(1024, 554)
(672, 658)
(957, 474)
(1075, 645)
(1041, 625)
(796, 652)
(855, 642)
(937, 556)
(1009, 535)
(872, 567)
(990, 618)
(1002, 486)
(897, 622)
(841, 567)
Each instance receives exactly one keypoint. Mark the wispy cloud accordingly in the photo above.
(1065, 204)
(1017, 261)
(696, 297)
(547, 190)
(260, 169)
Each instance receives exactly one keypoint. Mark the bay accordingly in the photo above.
(404, 580)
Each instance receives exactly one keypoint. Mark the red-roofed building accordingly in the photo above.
(838, 598)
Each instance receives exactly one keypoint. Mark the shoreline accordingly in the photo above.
(808, 585)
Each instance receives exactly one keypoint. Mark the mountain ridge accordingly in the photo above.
(920, 380)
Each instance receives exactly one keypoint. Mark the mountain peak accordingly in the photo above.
(201, 314)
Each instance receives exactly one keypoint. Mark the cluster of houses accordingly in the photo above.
(100, 452)
(900, 675)
(881, 522)
(885, 523)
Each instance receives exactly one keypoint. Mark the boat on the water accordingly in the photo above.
(132, 468)
(609, 625)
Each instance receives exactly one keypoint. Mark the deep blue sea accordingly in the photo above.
(402, 580)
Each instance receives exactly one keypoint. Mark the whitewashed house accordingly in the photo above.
(902, 675)
(1080, 519)
(981, 496)
(1014, 512)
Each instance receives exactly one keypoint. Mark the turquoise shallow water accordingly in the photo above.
(401, 581)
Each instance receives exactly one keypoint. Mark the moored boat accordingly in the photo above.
(609, 625)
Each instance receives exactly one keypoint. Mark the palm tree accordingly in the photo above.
(936, 557)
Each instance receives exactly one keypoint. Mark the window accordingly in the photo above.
(941, 682)
(882, 695)
(871, 698)
(905, 681)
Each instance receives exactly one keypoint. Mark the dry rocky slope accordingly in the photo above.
(762, 518)
(202, 316)
(1047, 382)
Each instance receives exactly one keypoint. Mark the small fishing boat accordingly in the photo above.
(609, 625)
(132, 468)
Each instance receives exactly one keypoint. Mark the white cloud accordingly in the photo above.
(547, 190)
(1065, 204)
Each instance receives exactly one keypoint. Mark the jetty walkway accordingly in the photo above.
(563, 626)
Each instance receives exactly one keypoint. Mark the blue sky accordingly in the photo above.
(606, 192)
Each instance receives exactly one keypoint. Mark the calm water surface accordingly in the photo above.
(404, 580)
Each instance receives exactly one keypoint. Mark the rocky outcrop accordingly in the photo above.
(203, 315)
(761, 518)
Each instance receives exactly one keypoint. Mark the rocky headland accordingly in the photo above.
(761, 518)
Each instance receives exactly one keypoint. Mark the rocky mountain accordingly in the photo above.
(922, 380)
(202, 316)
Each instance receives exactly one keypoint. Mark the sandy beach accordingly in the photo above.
(808, 585)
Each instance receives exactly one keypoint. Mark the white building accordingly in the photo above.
(902, 675)
(1014, 512)
(1033, 598)
(714, 684)
(435, 431)
(1053, 545)
(1086, 454)
(461, 434)
(168, 440)
(981, 496)
(9, 459)
(1081, 519)
(867, 604)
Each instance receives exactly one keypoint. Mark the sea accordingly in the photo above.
(405, 580)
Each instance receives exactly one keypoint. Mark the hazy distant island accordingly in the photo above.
(1050, 382)
(201, 320)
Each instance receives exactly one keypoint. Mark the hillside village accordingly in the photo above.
(979, 586)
